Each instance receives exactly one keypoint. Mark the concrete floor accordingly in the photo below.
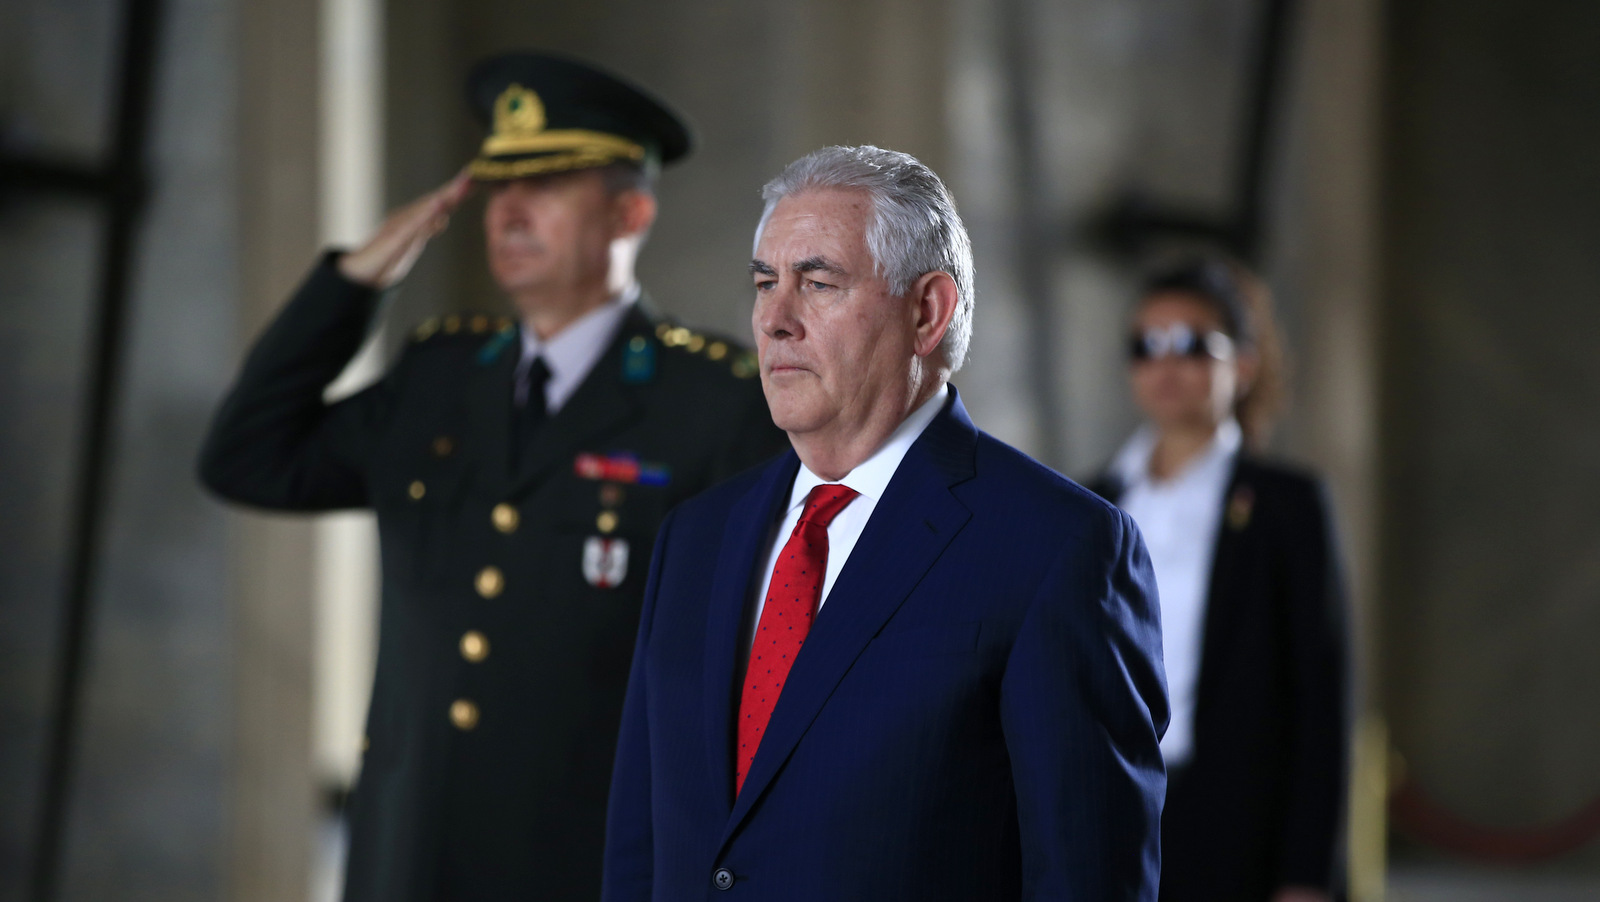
(1462, 884)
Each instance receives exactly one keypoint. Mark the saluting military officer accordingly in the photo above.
(519, 470)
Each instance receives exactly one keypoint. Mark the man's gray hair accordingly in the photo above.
(915, 228)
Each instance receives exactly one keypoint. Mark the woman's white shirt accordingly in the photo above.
(1179, 518)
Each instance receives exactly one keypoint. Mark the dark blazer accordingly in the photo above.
(1260, 805)
(975, 714)
(506, 798)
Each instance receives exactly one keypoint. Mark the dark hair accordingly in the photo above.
(1243, 303)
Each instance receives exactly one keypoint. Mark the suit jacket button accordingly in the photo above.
(722, 878)
(490, 582)
(464, 714)
(474, 646)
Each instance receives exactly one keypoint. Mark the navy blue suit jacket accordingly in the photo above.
(975, 714)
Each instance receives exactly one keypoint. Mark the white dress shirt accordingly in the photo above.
(570, 354)
(1179, 518)
(870, 478)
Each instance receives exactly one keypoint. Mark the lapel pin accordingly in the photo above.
(1240, 507)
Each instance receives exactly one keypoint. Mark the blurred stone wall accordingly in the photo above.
(146, 811)
(1491, 494)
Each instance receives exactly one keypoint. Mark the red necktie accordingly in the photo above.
(792, 599)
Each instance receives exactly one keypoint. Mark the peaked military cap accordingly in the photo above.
(548, 113)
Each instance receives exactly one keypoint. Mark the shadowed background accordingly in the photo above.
(1424, 202)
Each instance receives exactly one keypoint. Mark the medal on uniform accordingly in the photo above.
(622, 467)
(605, 561)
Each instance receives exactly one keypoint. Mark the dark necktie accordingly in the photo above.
(531, 416)
(786, 616)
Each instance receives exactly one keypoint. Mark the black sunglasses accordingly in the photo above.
(1178, 340)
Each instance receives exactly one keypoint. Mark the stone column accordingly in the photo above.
(1325, 245)
(272, 804)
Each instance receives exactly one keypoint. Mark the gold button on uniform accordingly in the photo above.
(490, 582)
(717, 350)
(474, 646)
(463, 714)
(607, 521)
(443, 445)
(416, 490)
(505, 518)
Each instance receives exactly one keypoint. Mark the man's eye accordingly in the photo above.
(819, 286)
(765, 285)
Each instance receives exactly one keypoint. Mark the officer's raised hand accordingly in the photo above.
(389, 253)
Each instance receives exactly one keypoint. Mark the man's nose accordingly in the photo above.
(509, 206)
(776, 312)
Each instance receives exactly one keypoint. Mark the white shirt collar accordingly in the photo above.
(570, 353)
(871, 477)
(1131, 466)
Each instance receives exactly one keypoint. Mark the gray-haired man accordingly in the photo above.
(906, 661)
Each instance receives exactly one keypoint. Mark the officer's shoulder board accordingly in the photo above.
(461, 324)
(490, 334)
(680, 339)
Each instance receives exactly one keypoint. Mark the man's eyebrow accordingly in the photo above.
(761, 268)
(818, 264)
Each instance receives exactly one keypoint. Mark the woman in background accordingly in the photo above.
(1253, 615)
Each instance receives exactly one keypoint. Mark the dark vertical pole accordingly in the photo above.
(1036, 241)
(1134, 221)
(1266, 87)
(126, 180)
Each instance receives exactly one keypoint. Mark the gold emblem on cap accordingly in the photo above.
(520, 128)
(518, 113)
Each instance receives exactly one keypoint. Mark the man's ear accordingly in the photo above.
(635, 212)
(936, 297)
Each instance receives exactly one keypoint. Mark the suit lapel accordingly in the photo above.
(1222, 590)
(912, 525)
(744, 549)
(602, 406)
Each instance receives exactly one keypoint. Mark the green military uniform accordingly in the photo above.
(512, 574)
